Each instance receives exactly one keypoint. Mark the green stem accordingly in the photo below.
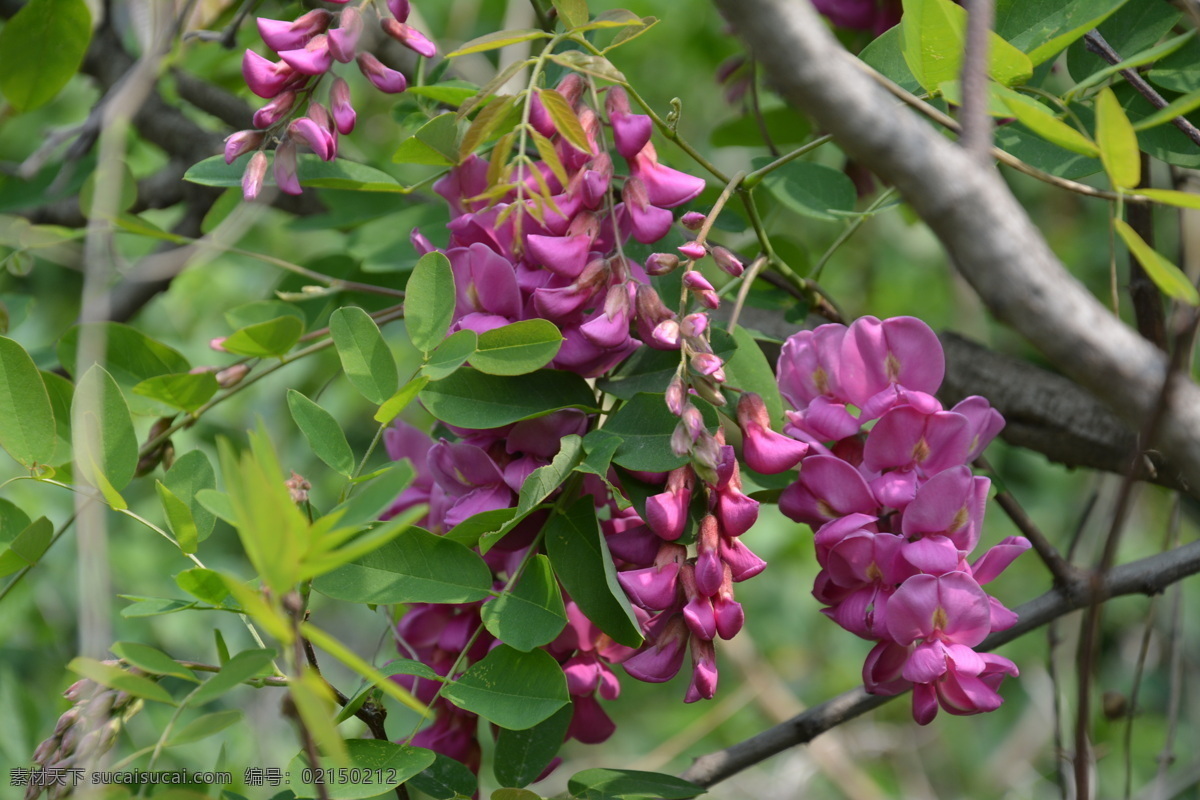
(755, 177)
(673, 135)
(850, 230)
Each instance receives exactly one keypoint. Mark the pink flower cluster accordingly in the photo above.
(896, 510)
(552, 250)
(307, 48)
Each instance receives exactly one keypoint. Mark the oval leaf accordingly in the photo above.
(191, 473)
(498, 39)
(521, 756)
(27, 428)
(106, 449)
(152, 660)
(530, 615)
(312, 171)
(429, 301)
(448, 356)
(204, 726)
(41, 47)
(323, 433)
(365, 356)
(415, 567)
(472, 399)
(1117, 142)
(242, 667)
(616, 784)
(265, 339)
(512, 689)
(129, 355)
(1166, 276)
(518, 348)
(183, 390)
(813, 190)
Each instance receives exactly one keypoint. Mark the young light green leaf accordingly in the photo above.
(589, 64)
(628, 784)
(486, 123)
(400, 400)
(185, 391)
(41, 47)
(265, 339)
(322, 432)
(1169, 278)
(1045, 28)
(1172, 197)
(429, 300)
(122, 680)
(566, 121)
(532, 614)
(27, 427)
(204, 726)
(106, 450)
(517, 348)
(27, 547)
(204, 584)
(498, 39)
(451, 92)
(1037, 118)
(242, 667)
(191, 473)
(583, 564)
(521, 756)
(1117, 142)
(472, 399)
(1176, 108)
(365, 356)
(152, 660)
(179, 519)
(261, 311)
(415, 567)
(373, 494)
(313, 699)
(61, 391)
(512, 689)
(573, 13)
(934, 34)
(447, 357)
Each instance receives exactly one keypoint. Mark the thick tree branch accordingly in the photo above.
(984, 229)
(1148, 576)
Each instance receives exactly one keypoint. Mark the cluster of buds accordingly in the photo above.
(307, 48)
(86, 731)
(896, 510)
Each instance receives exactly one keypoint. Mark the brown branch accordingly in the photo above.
(1149, 576)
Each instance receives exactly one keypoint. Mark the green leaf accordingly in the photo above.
(589, 64)
(1142, 58)
(415, 567)
(435, 143)
(313, 700)
(27, 428)
(204, 726)
(106, 449)
(429, 300)
(322, 432)
(1037, 152)
(1176, 108)
(583, 564)
(154, 606)
(128, 355)
(514, 794)
(447, 357)
(521, 756)
(12, 521)
(114, 677)
(498, 39)
(152, 660)
(1166, 276)
(573, 13)
(517, 348)
(1037, 118)
(179, 518)
(645, 425)
(628, 784)
(218, 504)
(472, 399)
(813, 190)
(566, 121)
(261, 311)
(445, 779)
(204, 584)
(400, 400)
(242, 667)
(379, 766)
(1179, 71)
(532, 614)
(312, 171)
(378, 491)
(191, 473)
(27, 547)
(749, 370)
(512, 689)
(41, 47)
(451, 93)
(469, 531)
(885, 54)
(365, 356)
(184, 390)
(1117, 142)
(348, 657)
(265, 339)
(1172, 197)
(1045, 28)
(784, 125)
(61, 392)
(934, 34)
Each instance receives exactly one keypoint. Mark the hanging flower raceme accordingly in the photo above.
(895, 509)
(307, 48)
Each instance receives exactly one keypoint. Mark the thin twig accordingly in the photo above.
(976, 136)
(1064, 573)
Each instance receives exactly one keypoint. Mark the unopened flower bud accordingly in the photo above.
(298, 488)
(693, 250)
(681, 440)
(709, 390)
(343, 40)
(385, 79)
(240, 143)
(728, 262)
(232, 376)
(344, 115)
(252, 182)
(218, 344)
(400, 9)
(694, 280)
(707, 364)
(315, 135)
(661, 263)
(692, 220)
(694, 325)
(709, 299)
(275, 110)
(666, 335)
(285, 168)
(409, 36)
(676, 395)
